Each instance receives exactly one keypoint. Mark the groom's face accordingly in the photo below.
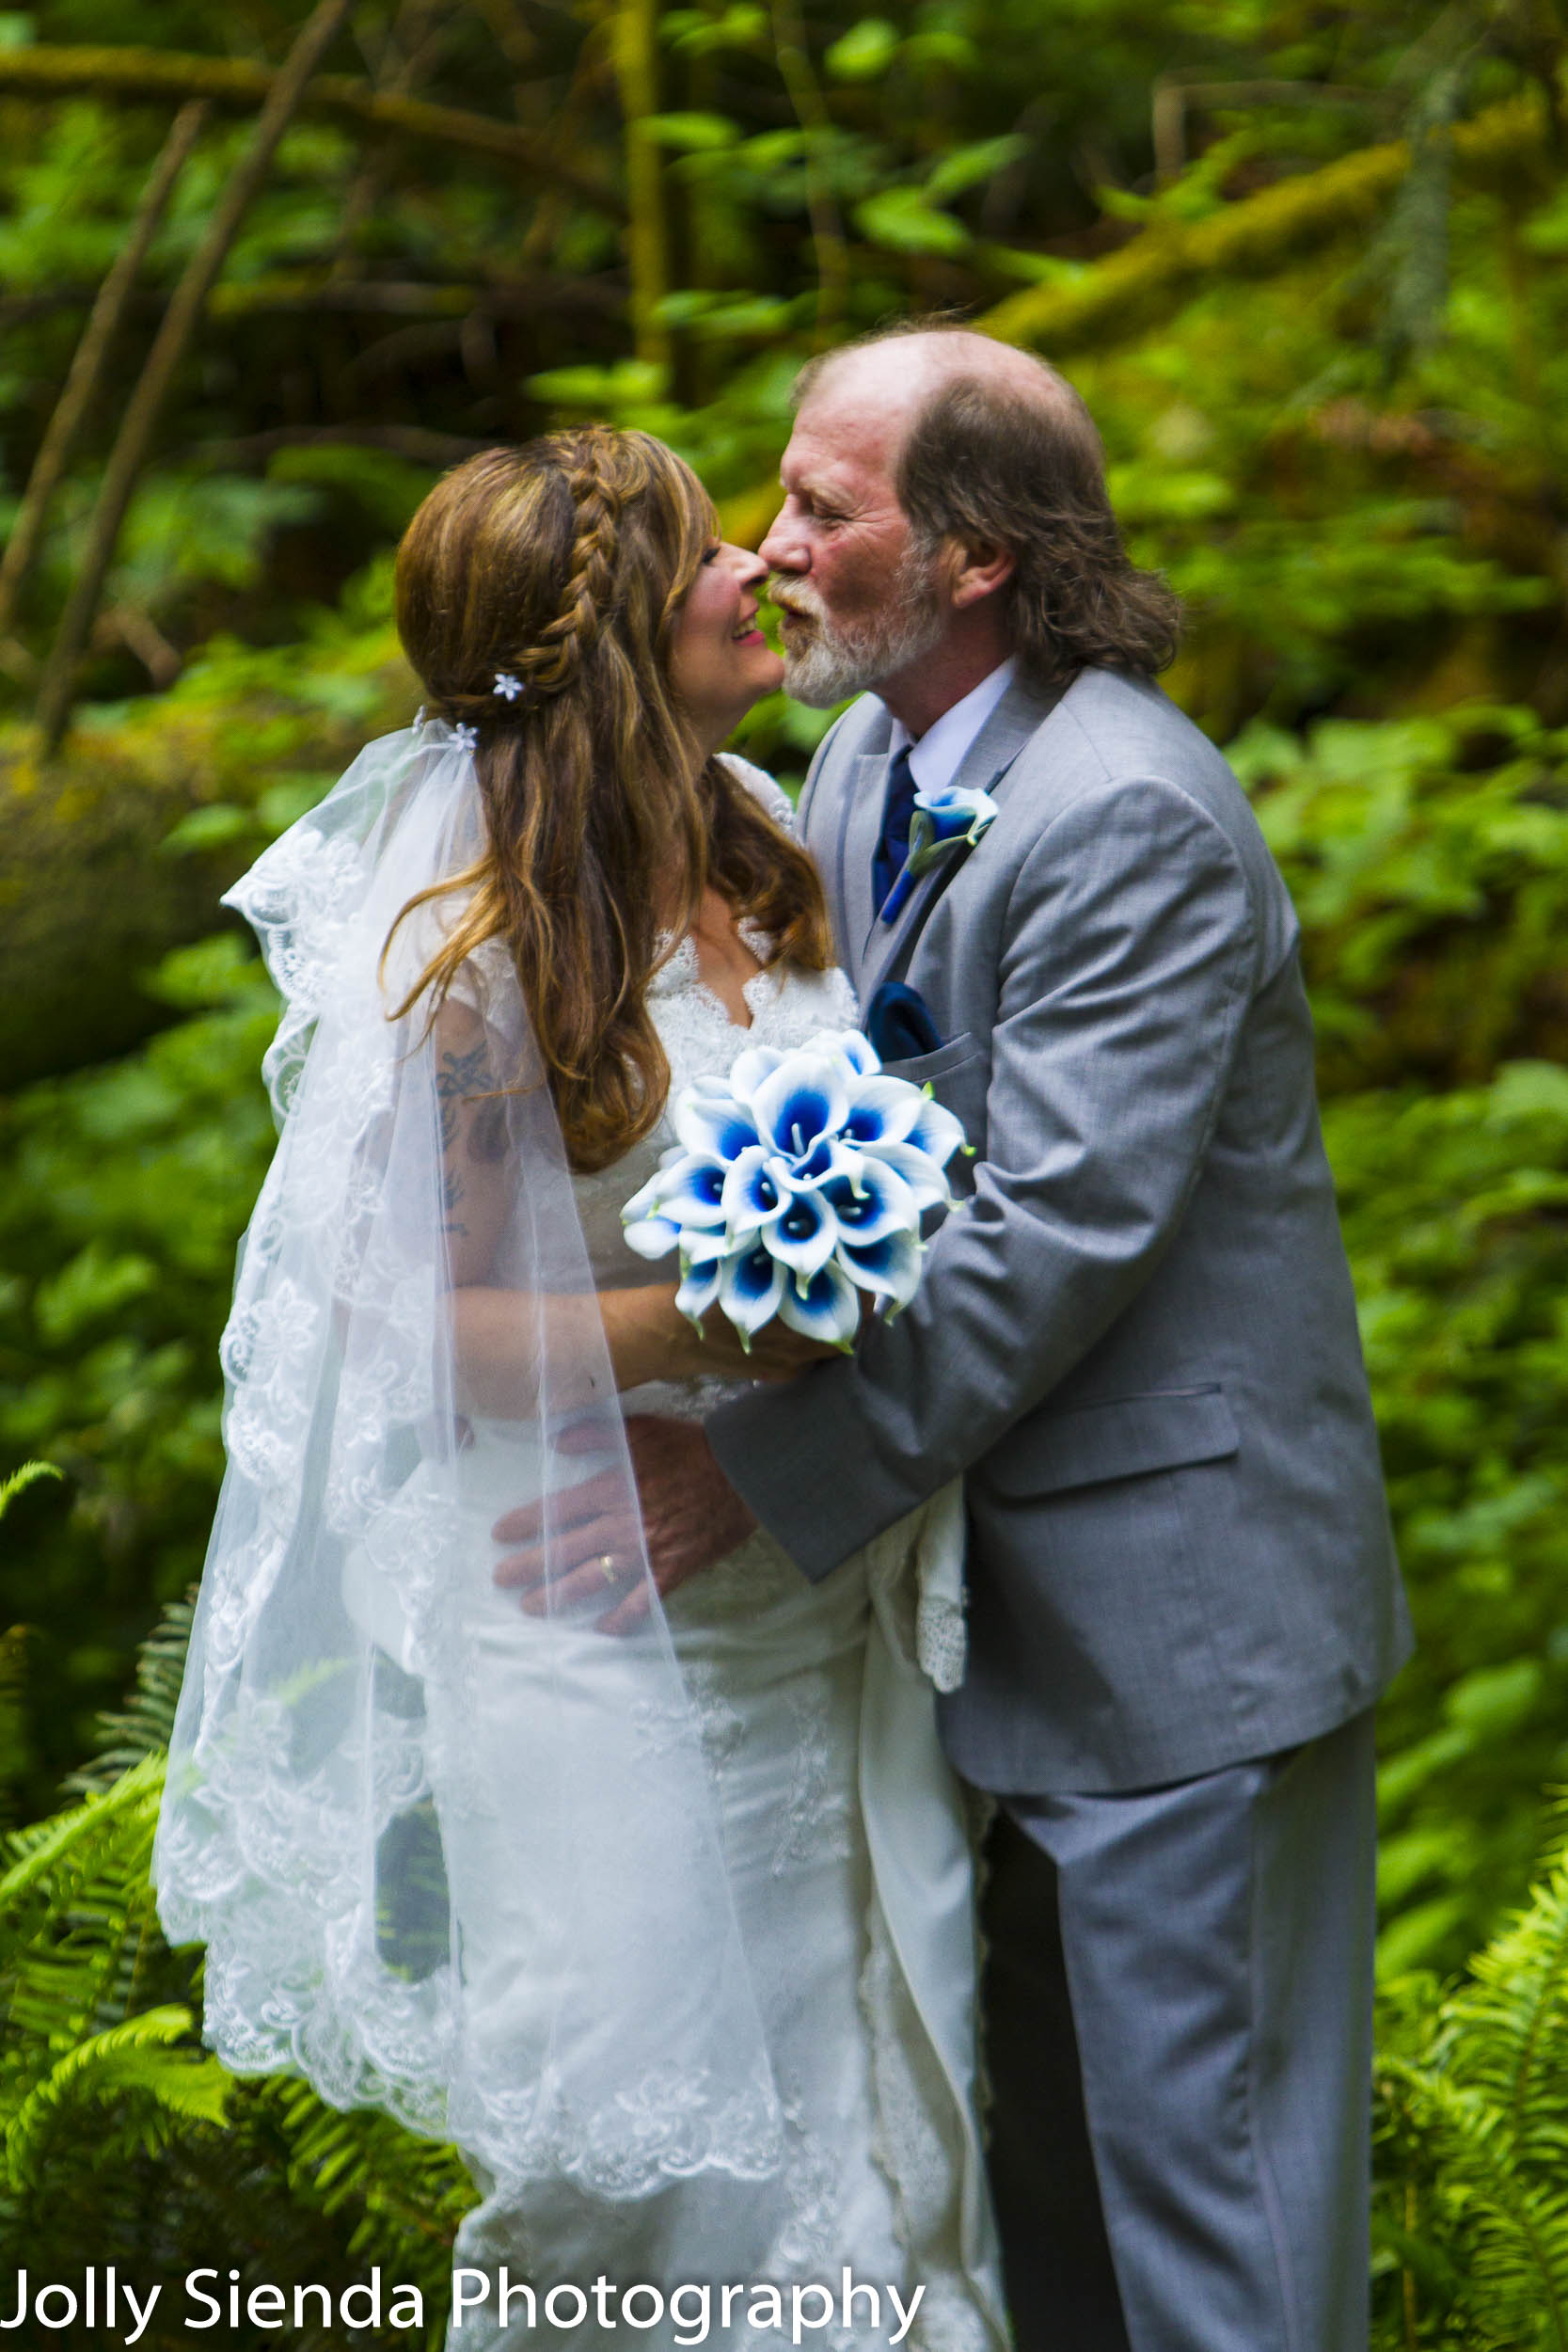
(859, 597)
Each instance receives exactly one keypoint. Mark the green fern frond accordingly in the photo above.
(407, 2195)
(115, 2130)
(145, 1724)
(20, 1480)
(1510, 2028)
(139, 2065)
(77, 1928)
(1475, 2124)
(56, 1844)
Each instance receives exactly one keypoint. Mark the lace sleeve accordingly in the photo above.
(774, 799)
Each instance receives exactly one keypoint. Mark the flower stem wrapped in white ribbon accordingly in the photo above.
(797, 1186)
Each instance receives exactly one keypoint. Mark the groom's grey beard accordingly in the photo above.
(837, 660)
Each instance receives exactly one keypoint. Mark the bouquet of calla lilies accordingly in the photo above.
(797, 1187)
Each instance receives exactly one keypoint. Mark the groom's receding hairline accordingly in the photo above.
(1000, 451)
(1029, 368)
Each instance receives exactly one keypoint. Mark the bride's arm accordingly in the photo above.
(501, 1334)
(497, 1336)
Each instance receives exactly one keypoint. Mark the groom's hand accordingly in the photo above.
(691, 1517)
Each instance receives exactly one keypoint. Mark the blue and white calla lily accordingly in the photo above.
(948, 814)
(796, 1188)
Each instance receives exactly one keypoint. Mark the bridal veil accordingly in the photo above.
(327, 1727)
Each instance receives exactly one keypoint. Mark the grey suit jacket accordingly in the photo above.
(1137, 1336)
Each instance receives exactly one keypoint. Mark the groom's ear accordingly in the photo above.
(977, 571)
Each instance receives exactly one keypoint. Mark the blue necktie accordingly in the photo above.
(892, 846)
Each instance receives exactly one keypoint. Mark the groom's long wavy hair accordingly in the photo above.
(988, 463)
(562, 566)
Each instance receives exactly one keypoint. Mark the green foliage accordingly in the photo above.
(1428, 858)
(118, 2135)
(1350, 465)
(125, 1192)
(1470, 2232)
(1454, 1213)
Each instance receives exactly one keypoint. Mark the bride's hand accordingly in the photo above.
(651, 1340)
(776, 1353)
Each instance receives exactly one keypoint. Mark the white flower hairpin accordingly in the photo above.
(507, 687)
(465, 736)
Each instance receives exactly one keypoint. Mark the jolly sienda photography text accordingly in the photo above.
(104, 2299)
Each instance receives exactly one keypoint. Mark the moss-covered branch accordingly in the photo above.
(232, 85)
(1148, 280)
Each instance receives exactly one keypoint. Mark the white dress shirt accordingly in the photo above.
(935, 760)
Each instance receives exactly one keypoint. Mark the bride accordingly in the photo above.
(660, 1910)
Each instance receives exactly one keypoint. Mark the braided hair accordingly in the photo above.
(537, 595)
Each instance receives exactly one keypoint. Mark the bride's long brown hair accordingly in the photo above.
(563, 564)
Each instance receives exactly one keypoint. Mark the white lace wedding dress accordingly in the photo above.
(846, 1842)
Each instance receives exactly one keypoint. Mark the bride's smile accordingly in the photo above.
(720, 661)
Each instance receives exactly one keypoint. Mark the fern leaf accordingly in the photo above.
(136, 2060)
(49, 1845)
(145, 1724)
(20, 1480)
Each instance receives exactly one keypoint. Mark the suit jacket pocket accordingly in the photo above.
(1126, 1438)
(957, 1075)
(934, 1067)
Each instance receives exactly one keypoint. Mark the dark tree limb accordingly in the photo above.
(303, 291)
(238, 88)
(169, 346)
(505, 298)
(413, 442)
(91, 358)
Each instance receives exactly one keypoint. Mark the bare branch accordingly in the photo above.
(169, 345)
(91, 358)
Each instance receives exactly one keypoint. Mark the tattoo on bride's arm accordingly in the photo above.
(452, 1190)
(459, 1079)
(487, 1132)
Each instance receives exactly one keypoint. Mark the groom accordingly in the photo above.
(1137, 1341)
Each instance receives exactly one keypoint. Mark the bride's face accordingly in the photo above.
(720, 661)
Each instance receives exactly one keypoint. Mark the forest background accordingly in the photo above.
(1303, 261)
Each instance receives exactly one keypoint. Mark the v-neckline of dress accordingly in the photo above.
(682, 968)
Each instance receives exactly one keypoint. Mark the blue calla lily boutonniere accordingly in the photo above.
(943, 819)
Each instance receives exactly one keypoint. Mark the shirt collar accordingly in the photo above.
(935, 760)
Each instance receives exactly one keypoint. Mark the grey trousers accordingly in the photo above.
(1177, 2004)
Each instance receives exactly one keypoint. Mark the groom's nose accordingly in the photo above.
(785, 550)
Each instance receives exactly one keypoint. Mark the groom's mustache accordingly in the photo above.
(799, 604)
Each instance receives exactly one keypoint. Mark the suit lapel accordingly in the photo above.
(844, 816)
(863, 824)
(1017, 717)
